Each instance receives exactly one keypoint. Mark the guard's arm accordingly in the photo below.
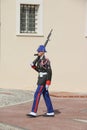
(49, 73)
(33, 64)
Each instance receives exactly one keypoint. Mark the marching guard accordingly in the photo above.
(42, 65)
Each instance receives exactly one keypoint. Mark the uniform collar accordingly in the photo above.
(42, 57)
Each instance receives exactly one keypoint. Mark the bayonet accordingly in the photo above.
(46, 42)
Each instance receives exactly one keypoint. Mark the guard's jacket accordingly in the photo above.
(43, 67)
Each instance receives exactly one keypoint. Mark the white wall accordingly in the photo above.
(0, 31)
(67, 49)
(68, 43)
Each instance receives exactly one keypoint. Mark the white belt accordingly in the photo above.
(41, 74)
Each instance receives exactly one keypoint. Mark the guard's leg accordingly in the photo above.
(48, 102)
(37, 98)
(37, 95)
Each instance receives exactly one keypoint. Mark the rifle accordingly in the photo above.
(48, 39)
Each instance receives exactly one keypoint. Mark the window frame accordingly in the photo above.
(40, 17)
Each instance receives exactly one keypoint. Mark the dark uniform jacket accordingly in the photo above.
(43, 67)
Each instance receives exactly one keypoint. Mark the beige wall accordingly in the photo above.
(0, 30)
(67, 49)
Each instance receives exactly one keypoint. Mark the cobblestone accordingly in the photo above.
(10, 97)
(70, 113)
(9, 127)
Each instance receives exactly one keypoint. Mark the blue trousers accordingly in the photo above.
(42, 90)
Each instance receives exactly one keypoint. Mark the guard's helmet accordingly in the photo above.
(41, 48)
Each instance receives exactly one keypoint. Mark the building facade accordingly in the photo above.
(25, 24)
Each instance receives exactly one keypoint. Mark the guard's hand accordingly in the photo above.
(47, 86)
(31, 64)
(36, 60)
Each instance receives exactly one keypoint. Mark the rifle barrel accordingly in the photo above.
(48, 37)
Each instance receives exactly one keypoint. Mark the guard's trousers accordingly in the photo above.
(39, 91)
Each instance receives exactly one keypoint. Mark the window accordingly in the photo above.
(29, 17)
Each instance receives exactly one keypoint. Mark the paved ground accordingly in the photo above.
(70, 114)
(9, 97)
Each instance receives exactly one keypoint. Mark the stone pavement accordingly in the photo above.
(9, 97)
(70, 114)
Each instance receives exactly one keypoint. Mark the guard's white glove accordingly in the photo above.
(47, 86)
(31, 64)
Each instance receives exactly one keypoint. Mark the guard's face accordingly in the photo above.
(40, 53)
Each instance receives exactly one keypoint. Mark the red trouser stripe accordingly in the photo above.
(38, 97)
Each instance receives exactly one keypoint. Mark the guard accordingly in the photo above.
(42, 65)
